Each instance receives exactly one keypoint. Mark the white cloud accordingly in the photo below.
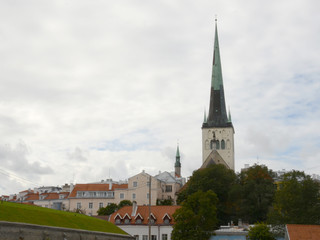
(107, 88)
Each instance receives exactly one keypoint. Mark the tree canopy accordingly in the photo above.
(197, 217)
(257, 193)
(297, 200)
(260, 231)
(218, 179)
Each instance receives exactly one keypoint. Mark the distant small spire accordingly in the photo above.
(178, 164)
(178, 152)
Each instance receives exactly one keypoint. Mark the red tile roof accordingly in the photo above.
(96, 187)
(159, 212)
(54, 195)
(32, 197)
(303, 232)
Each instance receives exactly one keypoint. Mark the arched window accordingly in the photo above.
(223, 144)
(212, 145)
(217, 144)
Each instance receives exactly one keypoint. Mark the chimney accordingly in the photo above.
(134, 208)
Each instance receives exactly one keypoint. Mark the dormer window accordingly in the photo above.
(166, 219)
(118, 221)
(138, 221)
(126, 221)
(153, 219)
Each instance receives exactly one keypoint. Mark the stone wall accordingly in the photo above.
(22, 231)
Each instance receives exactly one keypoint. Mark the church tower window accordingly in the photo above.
(223, 144)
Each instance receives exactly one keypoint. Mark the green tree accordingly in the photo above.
(260, 231)
(297, 200)
(197, 217)
(221, 181)
(257, 193)
(108, 210)
(124, 203)
(165, 202)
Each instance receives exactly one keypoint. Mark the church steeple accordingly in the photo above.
(217, 111)
(217, 128)
(177, 165)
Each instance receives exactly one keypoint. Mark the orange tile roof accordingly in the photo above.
(32, 196)
(96, 187)
(303, 232)
(54, 195)
(157, 211)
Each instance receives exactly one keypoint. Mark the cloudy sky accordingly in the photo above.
(97, 89)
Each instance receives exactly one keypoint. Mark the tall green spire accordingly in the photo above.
(217, 116)
(177, 164)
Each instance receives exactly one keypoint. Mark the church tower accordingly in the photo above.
(217, 128)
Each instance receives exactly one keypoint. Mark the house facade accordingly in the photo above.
(89, 198)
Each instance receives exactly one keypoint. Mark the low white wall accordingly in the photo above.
(22, 231)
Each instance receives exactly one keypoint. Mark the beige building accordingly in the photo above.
(163, 186)
(90, 197)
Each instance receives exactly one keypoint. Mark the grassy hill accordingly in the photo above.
(15, 212)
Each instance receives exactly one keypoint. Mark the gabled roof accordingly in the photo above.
(214, 158)
(159, 213)
(96, 187)
(166, 177)
(303, 232)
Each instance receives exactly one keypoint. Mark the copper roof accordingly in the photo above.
(303, 232)
(159, 212)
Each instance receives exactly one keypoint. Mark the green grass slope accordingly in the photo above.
(15, 212)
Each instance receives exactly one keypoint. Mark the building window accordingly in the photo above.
(153, 237)
(90, 205)
(217, 144)
(148, 184)
(138, 221)
(147, 195)
(78, 205)
(144, 237)
(152, 221)
(135, 184)
(168, 188)
(101, 205)
(133, 196)
(121, 195)
(118, 221)
(136, 237)
(223, 144)
(127, 221)
(166, 221)
(164, 237)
